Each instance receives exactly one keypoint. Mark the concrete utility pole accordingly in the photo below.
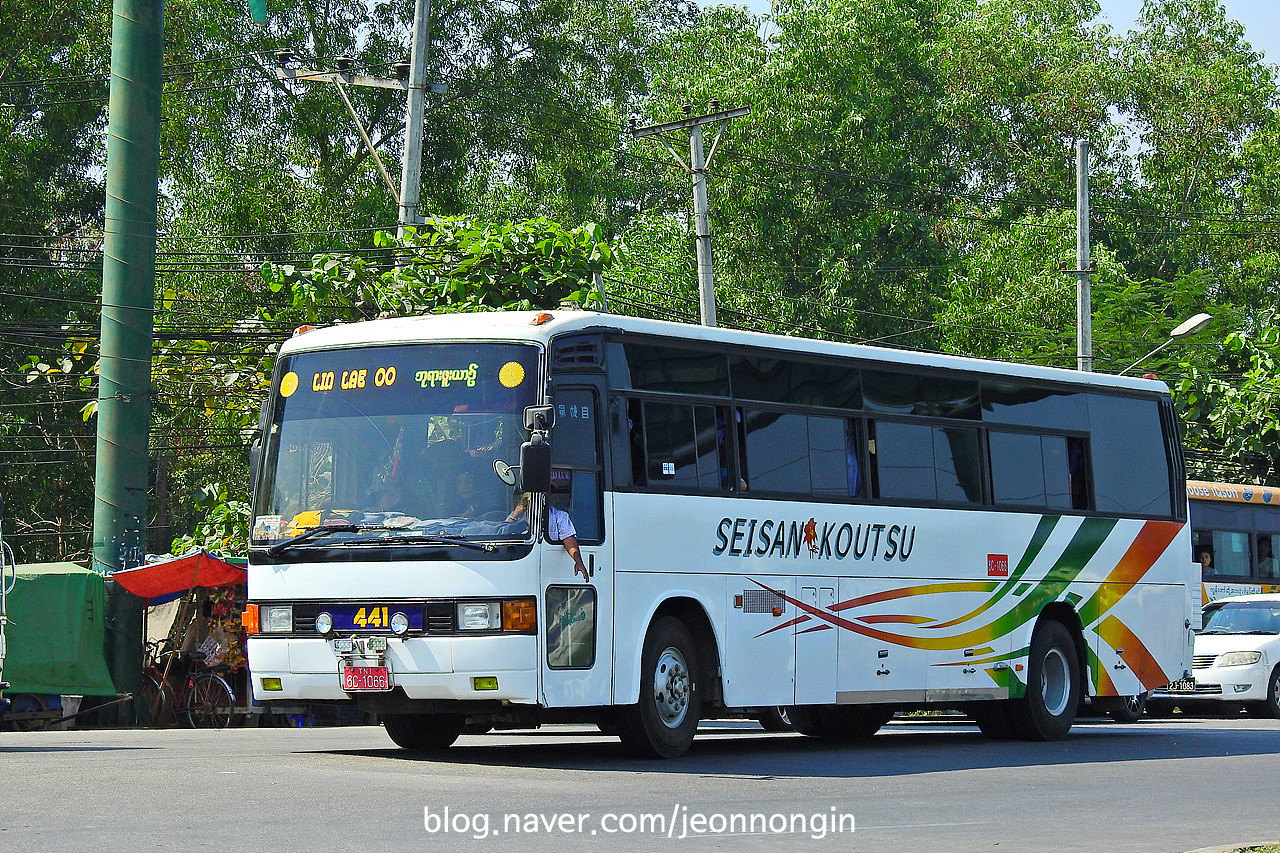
(697, 167)
(1084, 307)
(413, 76)
(128, 292)
(411, 174)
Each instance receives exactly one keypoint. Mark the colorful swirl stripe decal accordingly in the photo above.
(1147, 547)
(1151, 541)
(1136, 655)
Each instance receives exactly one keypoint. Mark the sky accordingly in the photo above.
(1258, 20)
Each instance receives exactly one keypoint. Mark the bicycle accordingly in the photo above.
(204, 698)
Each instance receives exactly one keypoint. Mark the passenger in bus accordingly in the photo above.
(1266, 559)
(392, 495)
(559, 529)
(465, 496)
(1206, 564)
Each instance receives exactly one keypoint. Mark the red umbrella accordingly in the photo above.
(172, 577)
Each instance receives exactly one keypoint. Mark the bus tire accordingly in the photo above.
(1129, 709)
(776, 719)
(1049, 707)
(839, 722)
(423, 732)
(662, 724)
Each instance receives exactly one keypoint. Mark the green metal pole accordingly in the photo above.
(128, 288)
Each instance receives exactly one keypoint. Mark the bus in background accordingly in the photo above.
(759, 521)
(1235, 533)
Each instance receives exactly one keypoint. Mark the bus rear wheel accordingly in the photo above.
(1049, 707)
(423, 732)
(662, 724)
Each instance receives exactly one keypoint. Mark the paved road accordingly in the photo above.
(1155, 786)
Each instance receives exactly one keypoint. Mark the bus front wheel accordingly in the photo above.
(1053, 686)
(662, 724)
(423, 732)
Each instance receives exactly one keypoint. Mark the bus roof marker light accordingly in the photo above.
(540, 318)
(302, 330)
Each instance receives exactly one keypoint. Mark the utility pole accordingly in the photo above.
(128, 294)
(697, 168)
(411, 78)
(411, 174)
(1084, 308)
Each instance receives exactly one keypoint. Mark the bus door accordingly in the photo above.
(816, 644)
(576, 623)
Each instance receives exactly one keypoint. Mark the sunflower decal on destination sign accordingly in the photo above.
(511, 374)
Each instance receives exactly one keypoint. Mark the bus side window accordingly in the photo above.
(1266, 563)
(635, 440)
(1231, 557)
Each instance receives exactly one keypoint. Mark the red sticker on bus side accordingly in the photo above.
(997, 565)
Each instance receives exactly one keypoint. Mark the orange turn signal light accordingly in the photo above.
(520, 615)
(249, 618)
(540, 318)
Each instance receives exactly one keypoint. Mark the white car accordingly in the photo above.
(1236, 660)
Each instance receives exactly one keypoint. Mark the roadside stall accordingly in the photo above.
(195, 672)
(54, 635)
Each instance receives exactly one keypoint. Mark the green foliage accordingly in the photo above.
(1236, 420)
(223, 528)
(453, 264)
(905, 176)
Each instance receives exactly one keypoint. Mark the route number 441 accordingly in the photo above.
(371, 617)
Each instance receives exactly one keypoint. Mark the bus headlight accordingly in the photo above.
(324, 622)
(480, 616)
(1239, 658)
(399, 623)
(276, 619)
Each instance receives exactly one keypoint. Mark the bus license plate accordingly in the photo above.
(365, 678)
(1183, 685)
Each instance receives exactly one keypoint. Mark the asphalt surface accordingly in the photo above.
(1155, 786)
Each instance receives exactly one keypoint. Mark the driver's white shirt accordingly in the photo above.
(559, 527)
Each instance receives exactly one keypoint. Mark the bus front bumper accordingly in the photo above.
(498, 667)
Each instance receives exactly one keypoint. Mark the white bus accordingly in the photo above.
(844, 531)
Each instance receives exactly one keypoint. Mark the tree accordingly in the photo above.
(1233, 424)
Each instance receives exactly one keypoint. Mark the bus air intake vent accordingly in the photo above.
(439, 618)
(577, 354)
(761, 601)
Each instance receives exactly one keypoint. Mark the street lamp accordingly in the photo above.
(1185, 329)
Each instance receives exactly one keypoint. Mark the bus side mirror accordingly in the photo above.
(539, 418)
(535, 465)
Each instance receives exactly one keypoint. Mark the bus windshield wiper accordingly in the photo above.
(432, 539)
(309, 534)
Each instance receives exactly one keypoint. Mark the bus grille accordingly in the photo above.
(761, 601)
(439, 618)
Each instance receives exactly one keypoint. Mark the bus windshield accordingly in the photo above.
(395, 445)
